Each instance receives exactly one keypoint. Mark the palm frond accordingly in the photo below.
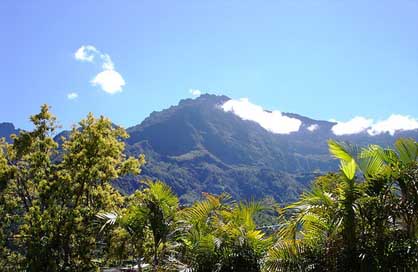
(199, 212)
(348, 168)
(342, 150)
(110, 217)
(373, 161)
(407, 150)
(285, 255)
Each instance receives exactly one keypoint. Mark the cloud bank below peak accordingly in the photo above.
(276, 122)
(391, 125)
(273, 121)
(356, 125)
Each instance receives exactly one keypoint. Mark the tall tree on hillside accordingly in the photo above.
(59, 191)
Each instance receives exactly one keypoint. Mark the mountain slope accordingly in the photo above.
(196, 146)
(6, 129)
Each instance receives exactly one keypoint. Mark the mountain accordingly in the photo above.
(198, 146)
(6, 129)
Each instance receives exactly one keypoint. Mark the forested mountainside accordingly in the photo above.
(198, 147)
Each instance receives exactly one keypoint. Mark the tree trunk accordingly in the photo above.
(155, 262)
(349, 233)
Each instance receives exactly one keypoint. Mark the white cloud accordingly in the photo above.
(356, 125)
(107, 62)
(272, 121)
(195, 92)
(395, 122)
(109, 80)
(313, 127)
(72, 96)
(86, 53)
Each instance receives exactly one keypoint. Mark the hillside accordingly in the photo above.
(198, 147)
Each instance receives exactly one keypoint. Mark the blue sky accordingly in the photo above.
(320, 58)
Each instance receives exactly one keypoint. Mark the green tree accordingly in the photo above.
(9, 208)
(351, 220)
(308, 240)
(59, 190)
(222, 235)
(151, 219)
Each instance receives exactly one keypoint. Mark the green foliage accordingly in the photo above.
(50, 196)
(150, 221)
(363, 223)
(222, 235)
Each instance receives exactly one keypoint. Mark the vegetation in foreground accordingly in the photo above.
(60, 213)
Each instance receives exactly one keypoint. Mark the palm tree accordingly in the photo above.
(201, 219)
(133, 219)
(161, 206)
(222, 235)
(352, 211)
(153, 209)
(388, 170)
(322, 215)
(405, 166)
(315, 220)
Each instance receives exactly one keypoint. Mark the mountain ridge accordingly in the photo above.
(198, 138)
(197, 146)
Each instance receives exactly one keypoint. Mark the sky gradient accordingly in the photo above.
(326, 59)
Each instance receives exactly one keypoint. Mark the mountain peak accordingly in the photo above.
(6, 129)
(7, 125)
(204, 99)
(213, 143)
